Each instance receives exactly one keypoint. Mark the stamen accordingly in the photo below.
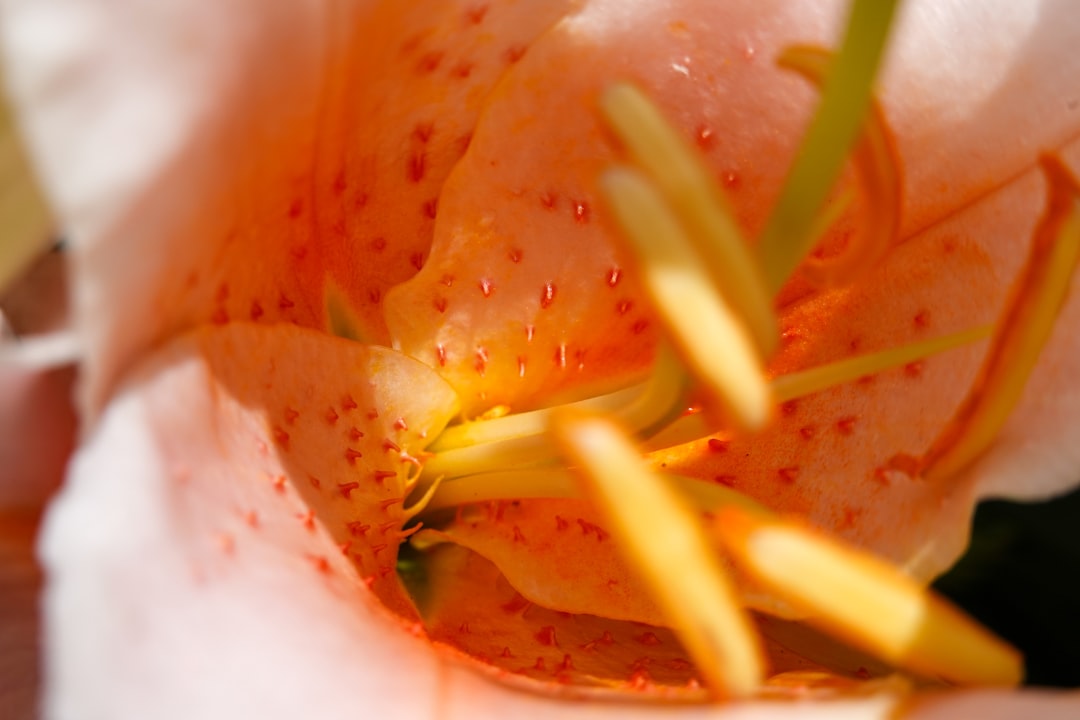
(515, 452)
(871, 604)
(558, 483)
(639, 408)
(878, 162)
(422, 504)
(807, 382)
(844, 101)
(712, 341)
(666, 543)
(1024, 328)
(688, 187)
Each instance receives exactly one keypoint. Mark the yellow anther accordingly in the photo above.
(690, 190)
(712, 341)
(664, 540)
(787, 238)
(1024, 328)
(878, 162)
(866, 601)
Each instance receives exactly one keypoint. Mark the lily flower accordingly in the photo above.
(442, 183)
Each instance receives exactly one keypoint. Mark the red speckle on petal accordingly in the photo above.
(560, 356)
(547, 295)
(588, 528)
(846, 425)
(429, 62)
(462, 70)
(514, 255)
(346, 489)
(807, 432)
(718, 446)
(788, 474)
(378, 244)
(347, 403)
(355, 434)
(639, 326)
(624, 306)
(440, 304)
(581, 212)
(922, 319)
(307, 519)
(256, 310)
(381, 476)
(321, 563)
(521, 362)
(613, 276)
(331, 416)
(548, 200)
(279, 483)
(514, 53)
(914, 369)
(519, 537)
(281, 438)
(417, 260)
(417, 166)
(291, 415)
(352, 455)
(284, 303)
(430, 208)
(357, 528)
(486, 287)
(440, 354)
(704, 137)
(648, 638)
(423, 131)
(475, 14)
(546, 636)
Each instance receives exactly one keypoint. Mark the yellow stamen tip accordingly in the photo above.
(669, 548)
(868, 602)
(709, 336)
(687, 186)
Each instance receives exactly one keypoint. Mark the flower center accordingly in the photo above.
(712, 293)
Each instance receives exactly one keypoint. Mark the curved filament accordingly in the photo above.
(833, 131)
(878, 163)
(1025, 326)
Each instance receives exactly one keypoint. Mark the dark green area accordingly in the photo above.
(1021, 577)
(412, 570)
